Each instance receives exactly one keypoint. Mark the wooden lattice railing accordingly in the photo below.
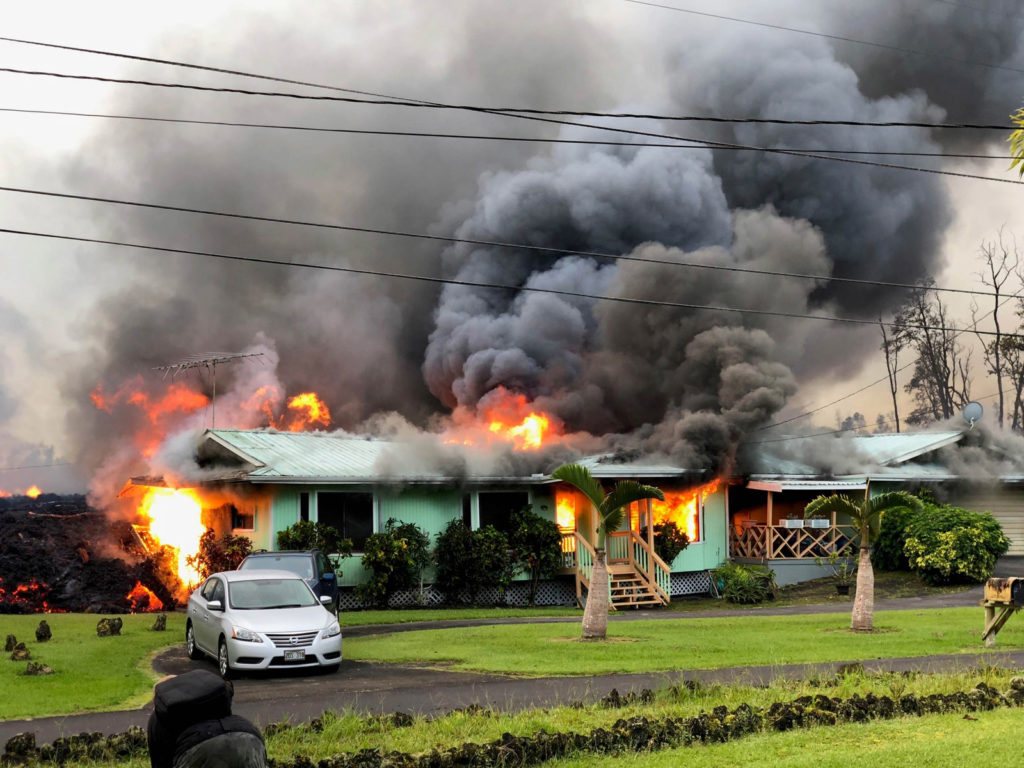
(624, 547)
(770, 542)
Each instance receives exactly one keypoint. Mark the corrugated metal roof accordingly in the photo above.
(605, 466)
(302, 457)
(887, 450)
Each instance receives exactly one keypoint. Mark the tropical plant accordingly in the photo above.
(397, 557)
(866, 515)
(610, 509)
(536, 545)
(745, 584)
(887, 549)
(841, 568)
(471, 561)
(669, 541)
(309, 535)
(216, 555)
(950, 545)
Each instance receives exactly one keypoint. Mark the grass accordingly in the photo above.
(90, 673)
(348, 733)
(536, 650)
(407, 615)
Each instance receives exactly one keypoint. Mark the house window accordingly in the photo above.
(243, 520)
(350, 513)
(467, 510)
(304, 506)
(497, 507)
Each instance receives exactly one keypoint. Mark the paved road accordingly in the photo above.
(384, 688)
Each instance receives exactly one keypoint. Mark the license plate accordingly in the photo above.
(298, 655)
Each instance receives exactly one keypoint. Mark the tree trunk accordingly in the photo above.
(595, 615)
(863, 617)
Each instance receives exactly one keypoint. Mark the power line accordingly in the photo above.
(509, 111)
(487, 285)
(36, 466)
(485, 110)
(481, 137)
(884, 46)
(547, 250)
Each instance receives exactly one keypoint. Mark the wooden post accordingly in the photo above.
(769, 531)
(649, 505)
(990, 618)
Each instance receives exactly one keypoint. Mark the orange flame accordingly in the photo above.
(162, 411)
(308, 410)
(143, 600)
(30, 596)
(565, 511)
(683, 508)
(33, 492)
(176, 521)
(510, 417)
(4, 494)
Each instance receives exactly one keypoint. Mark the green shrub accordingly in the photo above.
(308, 535)
(216, 555)
(536, 545)
(745, 584)
(669, 541)
(470, 561)
(887, 549)
(950, 545)
(397, 556)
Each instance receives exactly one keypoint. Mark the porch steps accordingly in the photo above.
(629, 589)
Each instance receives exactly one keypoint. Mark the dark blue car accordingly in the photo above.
(311, 564)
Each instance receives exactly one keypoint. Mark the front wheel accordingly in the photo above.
(190, 644)
(223, 663)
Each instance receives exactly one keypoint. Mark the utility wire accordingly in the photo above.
(908, 51)
(713, 144)
(36, 466)
(547, 250)
(509, 111)
(486, 285)
(482, 137)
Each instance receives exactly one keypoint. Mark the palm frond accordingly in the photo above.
(580, 478)
(625, 493)
(883, 502)
(826, 505)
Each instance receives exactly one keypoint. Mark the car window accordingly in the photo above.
(323, 564)
(262, 594)
(218, 591)
(300, 565)
(207, 590)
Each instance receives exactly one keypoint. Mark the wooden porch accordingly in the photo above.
(759, 541)
(636, 575)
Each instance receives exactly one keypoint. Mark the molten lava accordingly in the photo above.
(142, 600)
(30, 597)
(176, 521)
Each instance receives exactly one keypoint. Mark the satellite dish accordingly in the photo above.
(972, 413)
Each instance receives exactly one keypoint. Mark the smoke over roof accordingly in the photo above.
(683, 383)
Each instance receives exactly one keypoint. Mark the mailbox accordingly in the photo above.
(1006, 591)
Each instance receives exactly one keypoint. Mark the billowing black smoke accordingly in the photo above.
(685, 383)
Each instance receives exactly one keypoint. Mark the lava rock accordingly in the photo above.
(108, 627)
(21, 653)
(160, 624)
(43, 632)
(35, 668)
(12, 641)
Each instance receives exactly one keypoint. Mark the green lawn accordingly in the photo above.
(935, 741)
(654, 645)
(407, 615)
(90, 672)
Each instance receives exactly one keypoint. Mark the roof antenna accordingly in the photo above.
(210, 363)
(972, 413)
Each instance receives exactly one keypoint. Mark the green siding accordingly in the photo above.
(262, 530)
(430, 510)
(285, 511)
(711, 550)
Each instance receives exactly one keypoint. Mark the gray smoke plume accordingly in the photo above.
(678, 381)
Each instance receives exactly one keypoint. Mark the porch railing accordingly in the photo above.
(625, 547)
(771, 542)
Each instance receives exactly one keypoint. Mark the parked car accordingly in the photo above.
(261, 619)
(311, 564)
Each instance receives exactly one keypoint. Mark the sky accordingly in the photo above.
(75, 316)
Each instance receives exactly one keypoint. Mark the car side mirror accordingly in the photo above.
(328, 577)
(215, 605)
(326, 600)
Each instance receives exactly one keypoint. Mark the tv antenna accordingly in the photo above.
(209, 362)
(972, 413)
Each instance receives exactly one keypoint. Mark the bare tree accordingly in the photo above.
(1000, 261)
(940, 383)
(1012, 352)
(892, 344)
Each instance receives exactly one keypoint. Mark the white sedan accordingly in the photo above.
(249, 620)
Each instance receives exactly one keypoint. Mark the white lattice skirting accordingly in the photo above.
(557, 592)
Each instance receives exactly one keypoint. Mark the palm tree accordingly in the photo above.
(610, 509)
(867, 516)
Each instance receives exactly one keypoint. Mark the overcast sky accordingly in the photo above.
(74, 316)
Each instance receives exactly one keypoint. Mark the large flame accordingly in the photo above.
(163, 410)
(565, 511)
(683, 508)
(307, 411)
(176, 521)
(33, 492)
(503, 417)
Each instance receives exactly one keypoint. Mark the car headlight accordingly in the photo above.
(241, 633)
(332, 631)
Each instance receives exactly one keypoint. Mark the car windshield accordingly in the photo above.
(261, 594)
(301, 565)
